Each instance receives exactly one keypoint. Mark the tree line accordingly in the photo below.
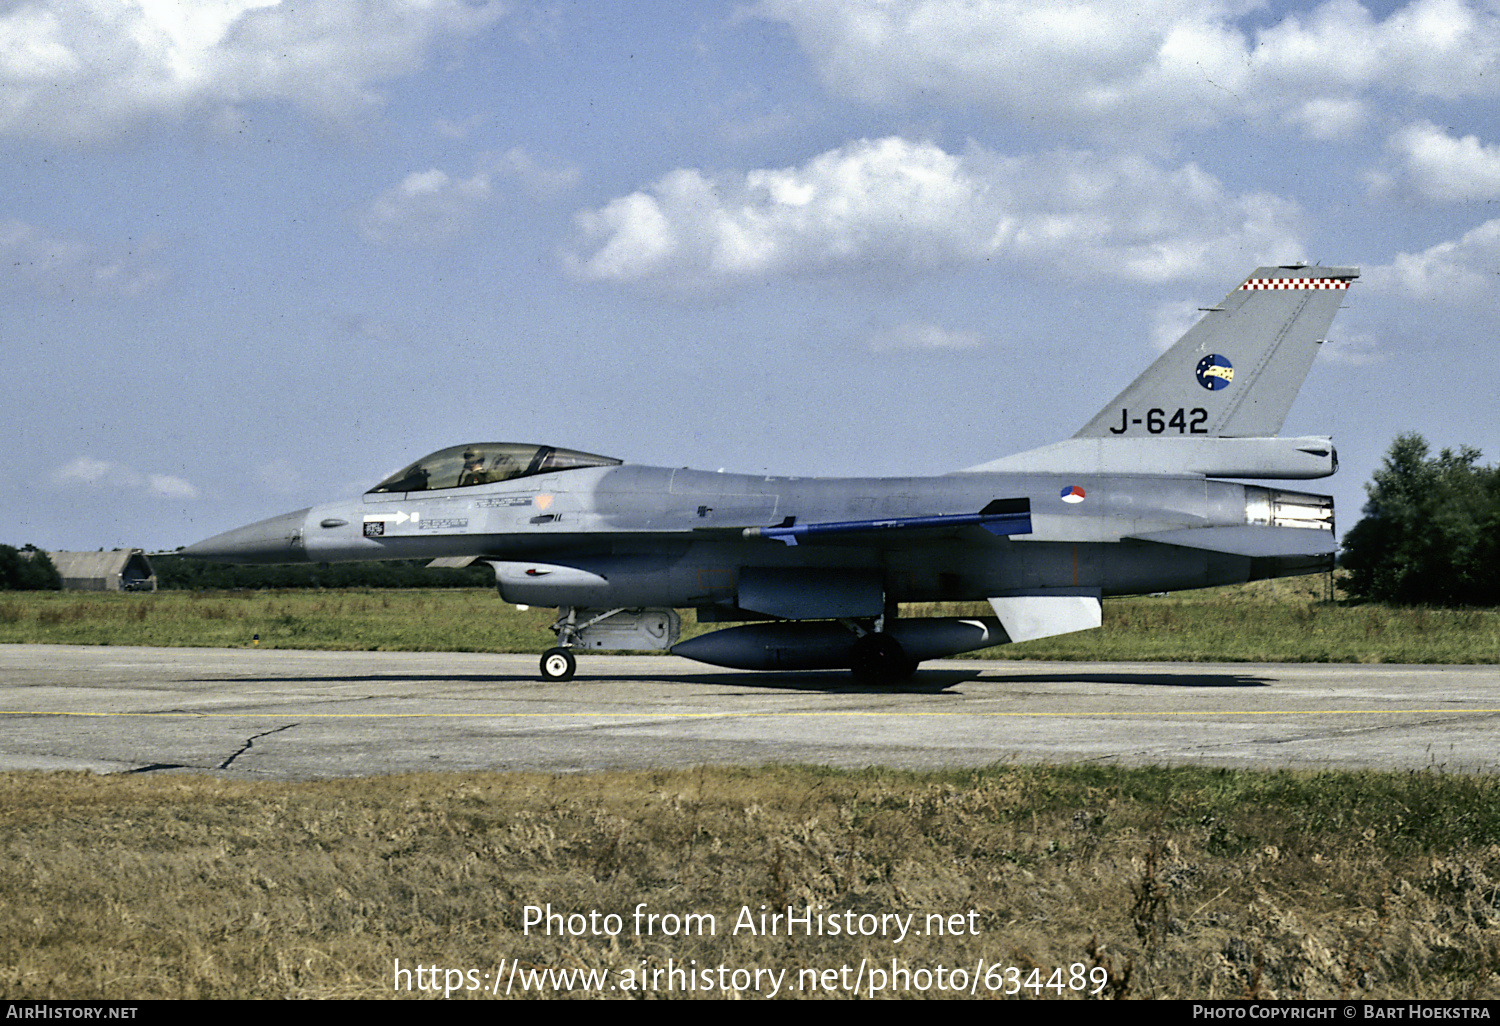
(31, 569)
(27, 569)
(1431, 530)
(177, 573)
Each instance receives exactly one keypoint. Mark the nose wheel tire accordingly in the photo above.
(558, 664)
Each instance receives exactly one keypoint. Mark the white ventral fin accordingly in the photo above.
(1027, 617)
(451, 562)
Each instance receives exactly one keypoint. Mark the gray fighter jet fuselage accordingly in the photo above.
(821, 566)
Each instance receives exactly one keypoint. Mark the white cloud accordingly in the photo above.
(427, 207)
(905, 206)
(85, 69)
(1351, 349)
(91, 472)
(1155, 66)
(1172, 320)
(431, 207)
(540, 175)
(84, 470)
(168, 487)
(1463, 271)
(1440, 167)
(1330, 119)
(912, 335)
(40, 260)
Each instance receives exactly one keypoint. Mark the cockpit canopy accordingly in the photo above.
(463, 466)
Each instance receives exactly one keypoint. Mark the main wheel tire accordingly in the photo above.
(880, 659)
(558, 664)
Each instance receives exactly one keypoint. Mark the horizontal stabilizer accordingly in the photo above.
(1026, 617)
(1001, 516)
(1249, 540)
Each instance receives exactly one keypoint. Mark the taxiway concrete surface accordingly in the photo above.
(276, 714)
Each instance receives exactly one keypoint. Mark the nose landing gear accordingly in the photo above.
(558, 664)
(623, 629)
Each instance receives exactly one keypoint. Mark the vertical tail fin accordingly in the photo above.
(1236, 372)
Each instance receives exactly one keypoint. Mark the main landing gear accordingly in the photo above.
(878, 656)
(880, 659)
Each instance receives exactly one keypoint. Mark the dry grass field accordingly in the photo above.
(1085, 883)
(1047, 882)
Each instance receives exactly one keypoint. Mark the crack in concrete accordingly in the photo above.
(251, 741)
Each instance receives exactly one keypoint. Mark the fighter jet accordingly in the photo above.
(815, 570)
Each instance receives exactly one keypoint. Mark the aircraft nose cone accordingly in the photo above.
(276, 540)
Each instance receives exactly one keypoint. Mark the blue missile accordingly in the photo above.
(1002, 516)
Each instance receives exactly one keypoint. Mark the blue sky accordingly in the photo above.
(256, 255)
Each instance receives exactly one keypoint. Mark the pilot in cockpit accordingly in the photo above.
(473, 472)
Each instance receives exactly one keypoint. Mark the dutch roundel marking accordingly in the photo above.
(1214, 372)
(1072, 493)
